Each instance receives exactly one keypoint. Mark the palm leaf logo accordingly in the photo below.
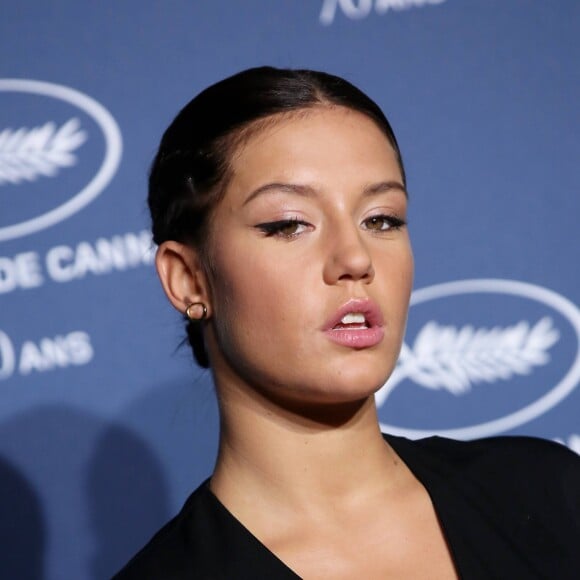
(454, 359)
(27, 154)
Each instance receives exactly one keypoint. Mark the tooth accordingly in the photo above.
(353, 318)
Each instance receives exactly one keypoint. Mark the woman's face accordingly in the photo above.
(311, 264)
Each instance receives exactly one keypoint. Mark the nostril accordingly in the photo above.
(368, 275)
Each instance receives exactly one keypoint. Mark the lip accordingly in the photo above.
(357, 338)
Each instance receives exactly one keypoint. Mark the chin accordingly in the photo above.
(354, 382)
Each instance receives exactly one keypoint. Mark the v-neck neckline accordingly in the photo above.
(401, 446)
(247, 534)
(438, 494)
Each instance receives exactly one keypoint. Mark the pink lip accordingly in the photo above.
(357, 338)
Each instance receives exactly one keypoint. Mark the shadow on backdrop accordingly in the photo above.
(146, 463)
(100, 492)
(22, 528)
(80, 493)
(127, 497)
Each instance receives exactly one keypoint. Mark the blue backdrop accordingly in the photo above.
(106, 424)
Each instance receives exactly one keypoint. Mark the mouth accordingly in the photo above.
(357, 324)
(352, 321)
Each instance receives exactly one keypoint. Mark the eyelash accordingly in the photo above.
(394, 222)
(271, 229)
(275, 229)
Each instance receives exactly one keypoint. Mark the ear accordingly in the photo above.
(182, 275)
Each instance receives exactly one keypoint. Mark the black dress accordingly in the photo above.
(509, 508)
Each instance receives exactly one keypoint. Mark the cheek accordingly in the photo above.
(407, 272)
(395, 261)
(395, 274)
(255, 303)
(405, 277)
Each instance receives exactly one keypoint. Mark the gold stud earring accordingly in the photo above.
(196, 307)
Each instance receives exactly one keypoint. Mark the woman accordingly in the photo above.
(279, 201)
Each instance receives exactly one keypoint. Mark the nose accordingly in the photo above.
(348, 257)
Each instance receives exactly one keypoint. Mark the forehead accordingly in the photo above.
(313, 143)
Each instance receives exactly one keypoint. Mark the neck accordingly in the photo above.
(303, 456)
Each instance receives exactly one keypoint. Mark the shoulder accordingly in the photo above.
(204, 541)
(511, 471)
(173, 548)
(508, 454)
(516, 497)
(501, 459)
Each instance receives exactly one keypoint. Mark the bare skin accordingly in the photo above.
(302, 464)
(335, 503)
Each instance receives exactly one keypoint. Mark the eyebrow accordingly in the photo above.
(307, 191)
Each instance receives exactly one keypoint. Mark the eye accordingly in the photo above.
(284, 228)
(383, 223)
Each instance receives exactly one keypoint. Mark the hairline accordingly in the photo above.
(234, 141)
